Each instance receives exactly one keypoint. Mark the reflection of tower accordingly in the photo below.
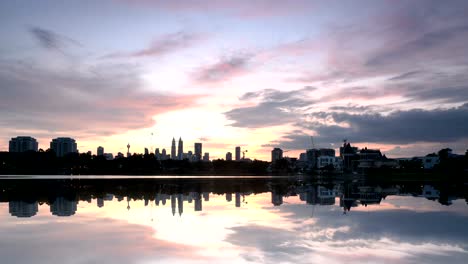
(206, 196)
(100, 202)
(128, 203)
(228, 197)
(128, 150)
(23, 209)
(180, 149)
(180, 203)
(173, 203)
(238, 199)
(198, 202)
(173, 149)
(276, 198)
(63, 207)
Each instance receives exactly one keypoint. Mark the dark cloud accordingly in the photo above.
(401, 127)
(427, 42)
(405, 76)
(275, 108)
(223, 70)
(51, 40)
(162, 45)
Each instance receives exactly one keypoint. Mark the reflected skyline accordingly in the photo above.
(346, 195)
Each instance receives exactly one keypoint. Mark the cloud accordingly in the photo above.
(162, 45)
(223, 70)
(275, 108)
(405, 76)
(51, 40)
(89, 102)
(400, 127)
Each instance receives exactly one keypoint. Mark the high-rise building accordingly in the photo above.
(276, 154)
(146, 151)
(229, 156)
(238, 153)
(180, 149)
(198, 151)
(22, 144)
(100, 151)
(163, 154)
(173, 149)
(206, 157)
(63, 145)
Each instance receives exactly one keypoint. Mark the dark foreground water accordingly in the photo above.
(223, 220)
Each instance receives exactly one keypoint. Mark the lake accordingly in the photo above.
(111, 219)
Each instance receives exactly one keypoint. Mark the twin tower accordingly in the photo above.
(180, 149)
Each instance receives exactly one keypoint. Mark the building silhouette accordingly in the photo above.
(206, 157)
(100, 151)
(63, 145)
(22, 144)
(229, 156)
(276, 154)
(173, 149)
(198, 151)
(238, 153)
(180, 149)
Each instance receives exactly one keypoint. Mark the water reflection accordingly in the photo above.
(232, 221)
(64, 195)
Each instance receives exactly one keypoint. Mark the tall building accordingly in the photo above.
(206, 157)
(173, 149)
(100, 151)
(146, 151)
(22, 144)
(276, 154)
(229, 156)
(238, 152)
(63, 145)
(163, 154)
(198, 151)
(180, 149)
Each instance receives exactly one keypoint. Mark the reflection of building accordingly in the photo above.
(276, 154)
(22, 144)
(23, 209)
(276, 199)
(63, 207)
(206, 196)
(238, 153)
(100, 202)
(63, 145)
(228, 197)
(198, 202)
(180, 203)
(198, 151)
(238, 200)
(173, 203)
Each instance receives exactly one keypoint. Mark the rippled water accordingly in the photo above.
(225, 220)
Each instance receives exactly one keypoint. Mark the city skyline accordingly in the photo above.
(258, 75)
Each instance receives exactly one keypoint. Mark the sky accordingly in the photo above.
(256, 74)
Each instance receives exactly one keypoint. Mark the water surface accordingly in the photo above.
(230, 220)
